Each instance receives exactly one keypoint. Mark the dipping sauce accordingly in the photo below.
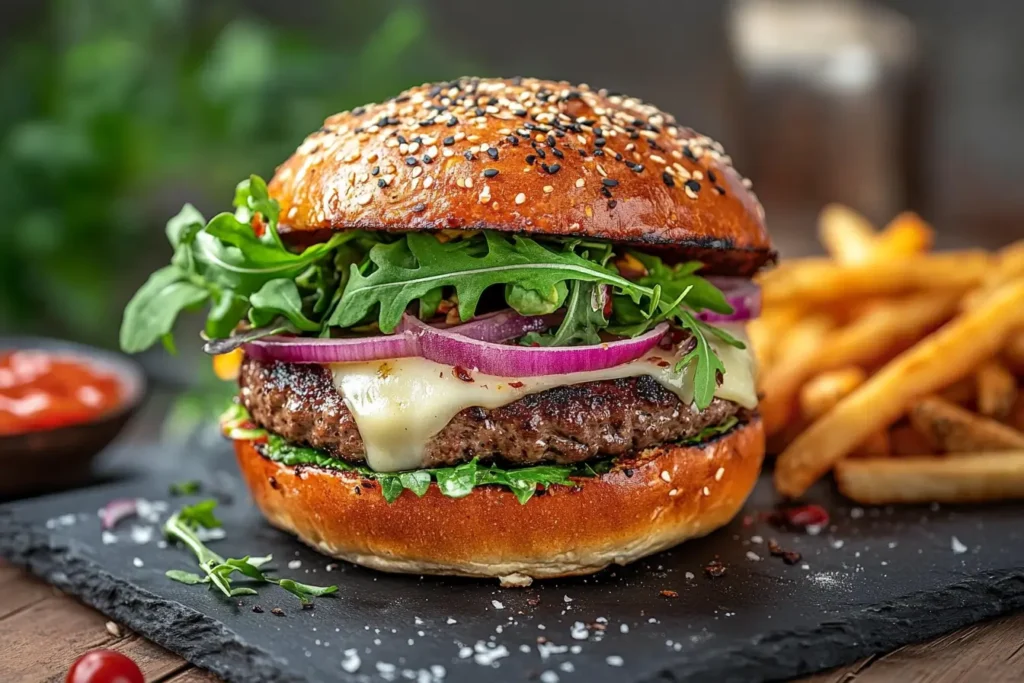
(40, 390)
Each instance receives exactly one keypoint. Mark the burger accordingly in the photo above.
(489, 328)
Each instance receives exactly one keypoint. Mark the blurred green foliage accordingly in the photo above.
(114, 112)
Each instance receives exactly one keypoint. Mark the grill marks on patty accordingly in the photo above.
(564, 425)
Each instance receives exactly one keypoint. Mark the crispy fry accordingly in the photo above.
(782, 382)
(907, 234)
(951, 429)
(997, 390)
(940, 359)
(815, 281)
(954, 479)
(767, 332)
(1009, 265)
(875, 446)
(847, 236)
(905, 440)
(883, 327)
(820, 394)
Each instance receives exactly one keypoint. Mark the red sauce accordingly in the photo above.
(40, 391)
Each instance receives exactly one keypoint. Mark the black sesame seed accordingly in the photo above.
(609, 182)
(512, 140)
(668, 179)
(530, 158)
(719, 189)
(375, 171)
(519, 112)
(551, 140)
(688, 153)
(553, 168)
(598, 132)
(492, 152)
(449, 141)
(618, 157)
(402, 140)
(637, 168)
(612, 203)
(490, 172)
(693, 185)
(712, 177)
(479, 111)
(599, 142)
(453, 122)
(583, 152)
(359, 111)
(419, 207)
(427, 159)
(469, 155)
(411, 161)
(606, 192)
(382, 183)
(557, 152)
(598, 152)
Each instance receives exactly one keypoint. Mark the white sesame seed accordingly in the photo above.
(600, 169)
(417, 171)
(427, 182)
(469, 182)
(690, 193)
(363, 200)
(674, 492)
(580, 182)
(656, 158)
(520, 198)
(113, 629)
(698, 175)
(461, 182)
(719, 474)
(665, 476)
(548, 189)
(707, 491)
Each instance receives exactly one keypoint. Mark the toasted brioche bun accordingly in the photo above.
(674, 493)
(619, 170)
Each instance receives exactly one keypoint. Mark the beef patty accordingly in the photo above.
(564, 425)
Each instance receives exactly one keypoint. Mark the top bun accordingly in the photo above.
(529, 156)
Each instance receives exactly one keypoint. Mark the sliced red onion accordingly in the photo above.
(311, 350)
(116, 510)
(742, 294)
(451, 348)
(496, 327)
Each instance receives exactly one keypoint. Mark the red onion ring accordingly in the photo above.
(742, 294)
(116, 510)
(448, 347)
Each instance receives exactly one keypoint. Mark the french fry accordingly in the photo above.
(976, 477)
(822, 392)
(997, 390)
(951, 429)
(767, 332)
(883, 327)
(949, 354)
(817, 281)
(847, 236)
(877, 445)
(782, 381)
(1009, 265)
(905, 440)
(1016, 417)
(907, 234)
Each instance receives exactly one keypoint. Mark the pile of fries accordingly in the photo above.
(897, 368)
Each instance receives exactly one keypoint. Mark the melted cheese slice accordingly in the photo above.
(400, 404)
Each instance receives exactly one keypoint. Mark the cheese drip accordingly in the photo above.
(399, 404)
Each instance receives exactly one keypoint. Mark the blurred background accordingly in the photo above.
(115, 112)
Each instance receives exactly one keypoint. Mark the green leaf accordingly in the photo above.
(239, 565)
(184, 577)
(200, 515)
(184, 488)
(708, 366)
(457, 482)
(151, 313)
(227, 311)
(279, 297)
(417, 481)
(709, 433)
(304, 591)
(584, 318)
(182, 228)
(243, 590)
(390, 487)
(406, 270)
(430, 302)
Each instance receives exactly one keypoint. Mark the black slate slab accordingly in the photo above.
(873, 580)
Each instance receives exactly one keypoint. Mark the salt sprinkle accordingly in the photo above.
(549, 677)
(689, 576)
(497, 605)
(137, 561)
(958, 547)
(294, 564)
(108, 538)
(752, 556)
(614, 660)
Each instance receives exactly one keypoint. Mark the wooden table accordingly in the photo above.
(42, 631)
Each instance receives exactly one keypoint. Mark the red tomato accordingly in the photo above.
(104, 666)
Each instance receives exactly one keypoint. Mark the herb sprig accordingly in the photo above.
(217, 571)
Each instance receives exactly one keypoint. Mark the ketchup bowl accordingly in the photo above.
(61, 403)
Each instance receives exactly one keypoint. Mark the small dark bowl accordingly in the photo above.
(35, 462)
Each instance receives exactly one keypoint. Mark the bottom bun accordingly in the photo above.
(645, 504)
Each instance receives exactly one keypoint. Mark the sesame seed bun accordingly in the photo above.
(526, 156)
(647, 503)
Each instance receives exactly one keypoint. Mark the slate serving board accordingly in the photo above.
(873, 580)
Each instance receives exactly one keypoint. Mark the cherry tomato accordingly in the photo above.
(104, 666)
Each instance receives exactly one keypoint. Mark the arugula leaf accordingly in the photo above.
(584, 318)
(218, 571)
(709, 433)
(395, 282)
(536, 302)
(151, 313)
(279, 297)
(708, 366)
(184, 488)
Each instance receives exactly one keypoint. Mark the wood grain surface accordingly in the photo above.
(42, 631)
